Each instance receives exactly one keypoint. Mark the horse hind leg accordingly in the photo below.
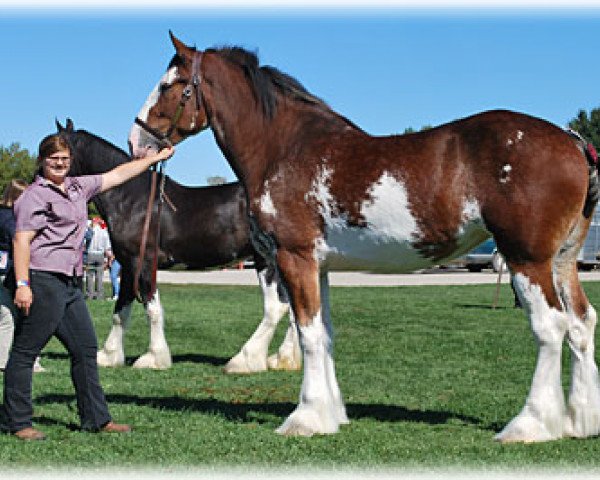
(583, 407)
(253, 355)
(158, 356)
(289, 355)
(542, 417)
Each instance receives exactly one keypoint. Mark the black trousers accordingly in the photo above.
(58, 309)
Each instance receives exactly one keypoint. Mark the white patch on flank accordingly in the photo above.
(266, 203)
(509, 142)
(543, 416)
(520, 135)
(386, 242)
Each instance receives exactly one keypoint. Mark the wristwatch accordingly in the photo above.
(22, 283)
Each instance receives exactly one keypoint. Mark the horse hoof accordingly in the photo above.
(306, 422)
(105, 358)
(241, 364)
(154, 361)
(527, 429)
(281, 362)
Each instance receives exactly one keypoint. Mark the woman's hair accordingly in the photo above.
(49, 146)
(13, 191)
(52, 144)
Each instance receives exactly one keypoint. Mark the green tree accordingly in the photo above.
(15, 162)
(588, 126)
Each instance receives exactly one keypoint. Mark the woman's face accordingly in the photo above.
(56, 166)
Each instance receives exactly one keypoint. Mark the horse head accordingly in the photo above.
(174, 110)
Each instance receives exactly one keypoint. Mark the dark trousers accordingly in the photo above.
(58, 309)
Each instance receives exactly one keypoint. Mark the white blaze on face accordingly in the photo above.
(167, 79)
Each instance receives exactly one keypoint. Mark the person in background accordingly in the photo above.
(98, 254)
(115, 280)
(50, 225)
(7, 308)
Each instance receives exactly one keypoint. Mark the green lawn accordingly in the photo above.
(429, 375)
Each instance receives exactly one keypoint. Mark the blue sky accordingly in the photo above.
(384, 68)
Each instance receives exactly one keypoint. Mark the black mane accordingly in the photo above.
(266, 80)
(101, 155)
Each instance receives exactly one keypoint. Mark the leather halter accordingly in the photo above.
(192, 86)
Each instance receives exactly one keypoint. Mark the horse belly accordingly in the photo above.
(392, 239)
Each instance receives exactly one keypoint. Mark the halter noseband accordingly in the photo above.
(193, 85)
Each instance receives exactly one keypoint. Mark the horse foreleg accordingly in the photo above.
(542, 417)
(113, 352)
(320, 410)
(158, 355)
(253, 355)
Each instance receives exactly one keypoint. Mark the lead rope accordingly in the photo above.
(144, 237)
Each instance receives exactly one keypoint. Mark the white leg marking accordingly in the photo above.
(320, 410)
(158, 355)
(583, 414)
(253, 355)
(542, 417)
(113, 352)
(289, 355)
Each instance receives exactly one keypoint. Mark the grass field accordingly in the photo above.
(429, 375)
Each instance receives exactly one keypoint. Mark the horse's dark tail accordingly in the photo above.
(591, 156)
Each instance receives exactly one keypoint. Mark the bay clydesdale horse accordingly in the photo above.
(209, 228)
(323, 194)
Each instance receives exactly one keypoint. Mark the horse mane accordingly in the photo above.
(266, 81)
(111, 154)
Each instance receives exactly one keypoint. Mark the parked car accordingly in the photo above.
(485, 255)
(589, 255)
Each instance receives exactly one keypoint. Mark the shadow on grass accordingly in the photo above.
(245, 412)
(129, 361)
(197, 358)
(488, 306)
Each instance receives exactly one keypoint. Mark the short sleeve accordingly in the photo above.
(90, 185)
(30, 212)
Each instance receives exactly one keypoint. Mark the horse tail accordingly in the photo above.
(593, 192)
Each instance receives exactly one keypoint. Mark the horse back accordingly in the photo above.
(433, 195)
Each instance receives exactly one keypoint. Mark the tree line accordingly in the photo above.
(17, 162)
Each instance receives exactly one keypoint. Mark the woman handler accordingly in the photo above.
(50, 224)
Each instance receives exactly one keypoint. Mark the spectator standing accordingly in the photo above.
(7, 307)
(115, 274)
(98, 254)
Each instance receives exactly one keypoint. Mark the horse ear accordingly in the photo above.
(59, 127)
(70, 126)
(180, 47)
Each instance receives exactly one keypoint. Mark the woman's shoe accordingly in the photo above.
(29, 434)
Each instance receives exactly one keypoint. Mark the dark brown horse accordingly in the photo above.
(323, 194)
(209, 228)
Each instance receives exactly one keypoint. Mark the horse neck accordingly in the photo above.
(251, 142)
(94, 156)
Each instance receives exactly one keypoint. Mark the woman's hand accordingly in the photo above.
(127, 170)
(24, 298)
(165, 153)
